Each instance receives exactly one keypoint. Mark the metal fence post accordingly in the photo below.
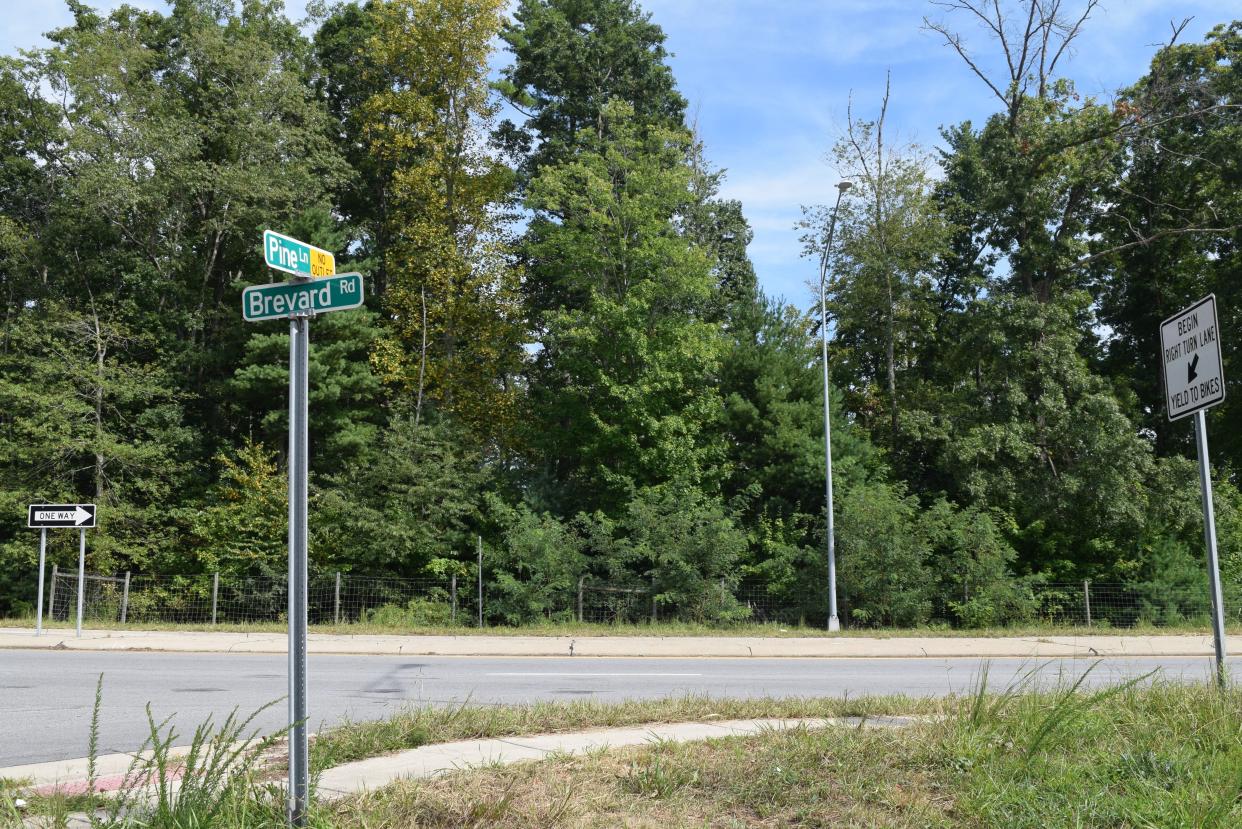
(81, 577)
(655, 614)
(215, 594)
(51, 599)
(480, 548)
(453, 599)
(125, 599)
(42, 567)
(580, 583)
(336, 599)
(1086, 597)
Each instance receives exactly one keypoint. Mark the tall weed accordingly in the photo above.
(218, 781)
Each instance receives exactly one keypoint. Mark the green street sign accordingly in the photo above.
(286, 299)
(287, 254)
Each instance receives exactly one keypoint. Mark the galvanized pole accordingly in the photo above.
(453, 599)
(42, 564)
(125, 600)
(51, 599)
(299, 345)
(834, 622)
(81, 576)
(1209, 535)
(215, 594)
(1086, 598)
(336, 599)
(480, 546)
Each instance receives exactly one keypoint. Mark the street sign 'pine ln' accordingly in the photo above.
(287, 254)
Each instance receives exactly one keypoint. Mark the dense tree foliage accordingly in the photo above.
(565, 351)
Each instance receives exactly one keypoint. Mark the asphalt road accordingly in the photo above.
(46, 697)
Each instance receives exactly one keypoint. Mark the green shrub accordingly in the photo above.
(881, 558)
(420, 612)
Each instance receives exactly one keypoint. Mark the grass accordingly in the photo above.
(421, 726)
(588, 629)
(1130, 756)
(1164, 756)
(219, 780)
(51, 810)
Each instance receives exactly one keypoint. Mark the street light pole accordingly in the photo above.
(834, 623)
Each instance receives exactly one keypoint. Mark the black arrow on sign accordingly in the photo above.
(1191, 374)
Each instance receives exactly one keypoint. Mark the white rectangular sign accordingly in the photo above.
(1190, 354)
(60, 515)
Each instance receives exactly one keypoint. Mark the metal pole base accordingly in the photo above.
(1209, 537)
(834, 624)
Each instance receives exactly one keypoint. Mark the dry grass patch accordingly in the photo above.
(835, 777)
(420, 726)
(1063, 757)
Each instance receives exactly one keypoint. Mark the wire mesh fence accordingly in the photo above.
(1091, 604)
(454, 601)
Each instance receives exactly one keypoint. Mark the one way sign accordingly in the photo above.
(61, 515)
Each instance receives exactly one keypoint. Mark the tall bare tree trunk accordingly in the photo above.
(100, 459)
(891, 348)
(422, 359)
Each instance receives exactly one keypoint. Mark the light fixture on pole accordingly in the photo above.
(834, 623)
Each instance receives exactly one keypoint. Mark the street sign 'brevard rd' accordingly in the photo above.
(291, 256)
(1190, 353)
(61, 515)
(285, 299)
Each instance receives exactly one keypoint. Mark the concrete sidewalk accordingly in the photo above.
(627, 646)
(70, 776)
(432, 760)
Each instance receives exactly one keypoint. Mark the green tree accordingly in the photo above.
(242, 532)
(1014, 416)
(719, 228)
(622, 388)
(974, 563)
(535, 567)
(411, 498)
(1172, 232)
(343, 396)
(571, 58)
(891, 234)
(686, 546)
(452, 299)
(773, 431)
(83, 420)
(883, 558)
(175, 128)
(345, 77)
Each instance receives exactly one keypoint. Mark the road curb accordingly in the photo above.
(625, 646)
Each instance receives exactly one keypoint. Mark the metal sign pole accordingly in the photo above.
(81, 576)
(1209, 535)
(1194, 379)
(297, 300)
(299, 345)
(42, 565)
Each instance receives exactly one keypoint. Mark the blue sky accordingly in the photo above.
(769, 80)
